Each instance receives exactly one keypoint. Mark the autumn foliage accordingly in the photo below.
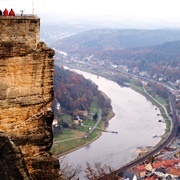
(74, 92)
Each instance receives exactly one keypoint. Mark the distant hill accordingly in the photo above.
(95, 41)
(169, 51)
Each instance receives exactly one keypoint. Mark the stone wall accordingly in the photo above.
(23, 29)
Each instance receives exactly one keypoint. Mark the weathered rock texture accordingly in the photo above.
(24, 29)
(26, 94)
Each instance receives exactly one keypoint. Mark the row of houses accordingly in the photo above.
(165, 165)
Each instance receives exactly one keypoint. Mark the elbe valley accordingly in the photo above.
(76, 102)
(130, 57)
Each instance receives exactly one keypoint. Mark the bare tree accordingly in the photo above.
(69, 172)
(97, 171)
(92, 172)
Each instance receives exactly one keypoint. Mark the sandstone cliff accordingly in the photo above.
(26, 94)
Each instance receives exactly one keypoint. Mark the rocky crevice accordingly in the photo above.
(11, 160)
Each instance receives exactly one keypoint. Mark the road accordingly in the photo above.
(98, 121)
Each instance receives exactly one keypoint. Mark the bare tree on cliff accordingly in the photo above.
(68, 171)
(99, 171)
(93, 172)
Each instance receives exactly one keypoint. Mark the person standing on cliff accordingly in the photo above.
(5, 12)
(0, 13)
(11, 13)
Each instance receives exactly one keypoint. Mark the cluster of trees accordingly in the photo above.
(74, 92)
(163, 60)
(158, 89)
(92, 172)
(121, 79)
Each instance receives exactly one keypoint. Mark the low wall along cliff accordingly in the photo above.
(24, 29)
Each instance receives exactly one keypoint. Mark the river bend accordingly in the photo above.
(135, 120)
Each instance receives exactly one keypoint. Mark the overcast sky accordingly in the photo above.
(145, 10)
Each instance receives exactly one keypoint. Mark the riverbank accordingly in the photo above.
(143, 150)
(159, 102)
(156, 101)
(135, 121)
(108, 118)
(75, 140)
(162, 105)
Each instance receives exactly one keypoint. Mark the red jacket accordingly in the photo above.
(11, 13)
(5, 12)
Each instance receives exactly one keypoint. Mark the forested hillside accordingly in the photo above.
(75, 93)
(154, 51)
(169, 51)
(94, 41)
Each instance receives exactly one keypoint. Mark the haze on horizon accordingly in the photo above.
(134, 12)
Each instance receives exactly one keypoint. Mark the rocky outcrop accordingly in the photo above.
(26, 94)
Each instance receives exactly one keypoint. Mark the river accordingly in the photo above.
(135, 120)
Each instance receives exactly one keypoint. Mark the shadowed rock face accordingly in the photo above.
(26, 94)
(12, 165)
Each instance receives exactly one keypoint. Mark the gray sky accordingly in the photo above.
(133, 10)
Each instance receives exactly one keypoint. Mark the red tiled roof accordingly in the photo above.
(169, 161)
(174, 171)
(157, 164)
(140, 168)
(151, 178)
(165, 163)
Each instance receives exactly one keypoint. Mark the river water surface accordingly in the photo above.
(135, 120)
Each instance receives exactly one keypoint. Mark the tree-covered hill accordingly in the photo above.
(167, 52)
(97, 40)
(154, 51)
(75, 93)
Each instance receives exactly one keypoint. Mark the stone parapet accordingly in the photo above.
(20, 29)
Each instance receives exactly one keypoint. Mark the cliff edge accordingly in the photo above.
(26, 94)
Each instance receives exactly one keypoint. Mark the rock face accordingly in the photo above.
(26, 94)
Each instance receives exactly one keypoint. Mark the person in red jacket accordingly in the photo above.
(11, 13)
(5, 12)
